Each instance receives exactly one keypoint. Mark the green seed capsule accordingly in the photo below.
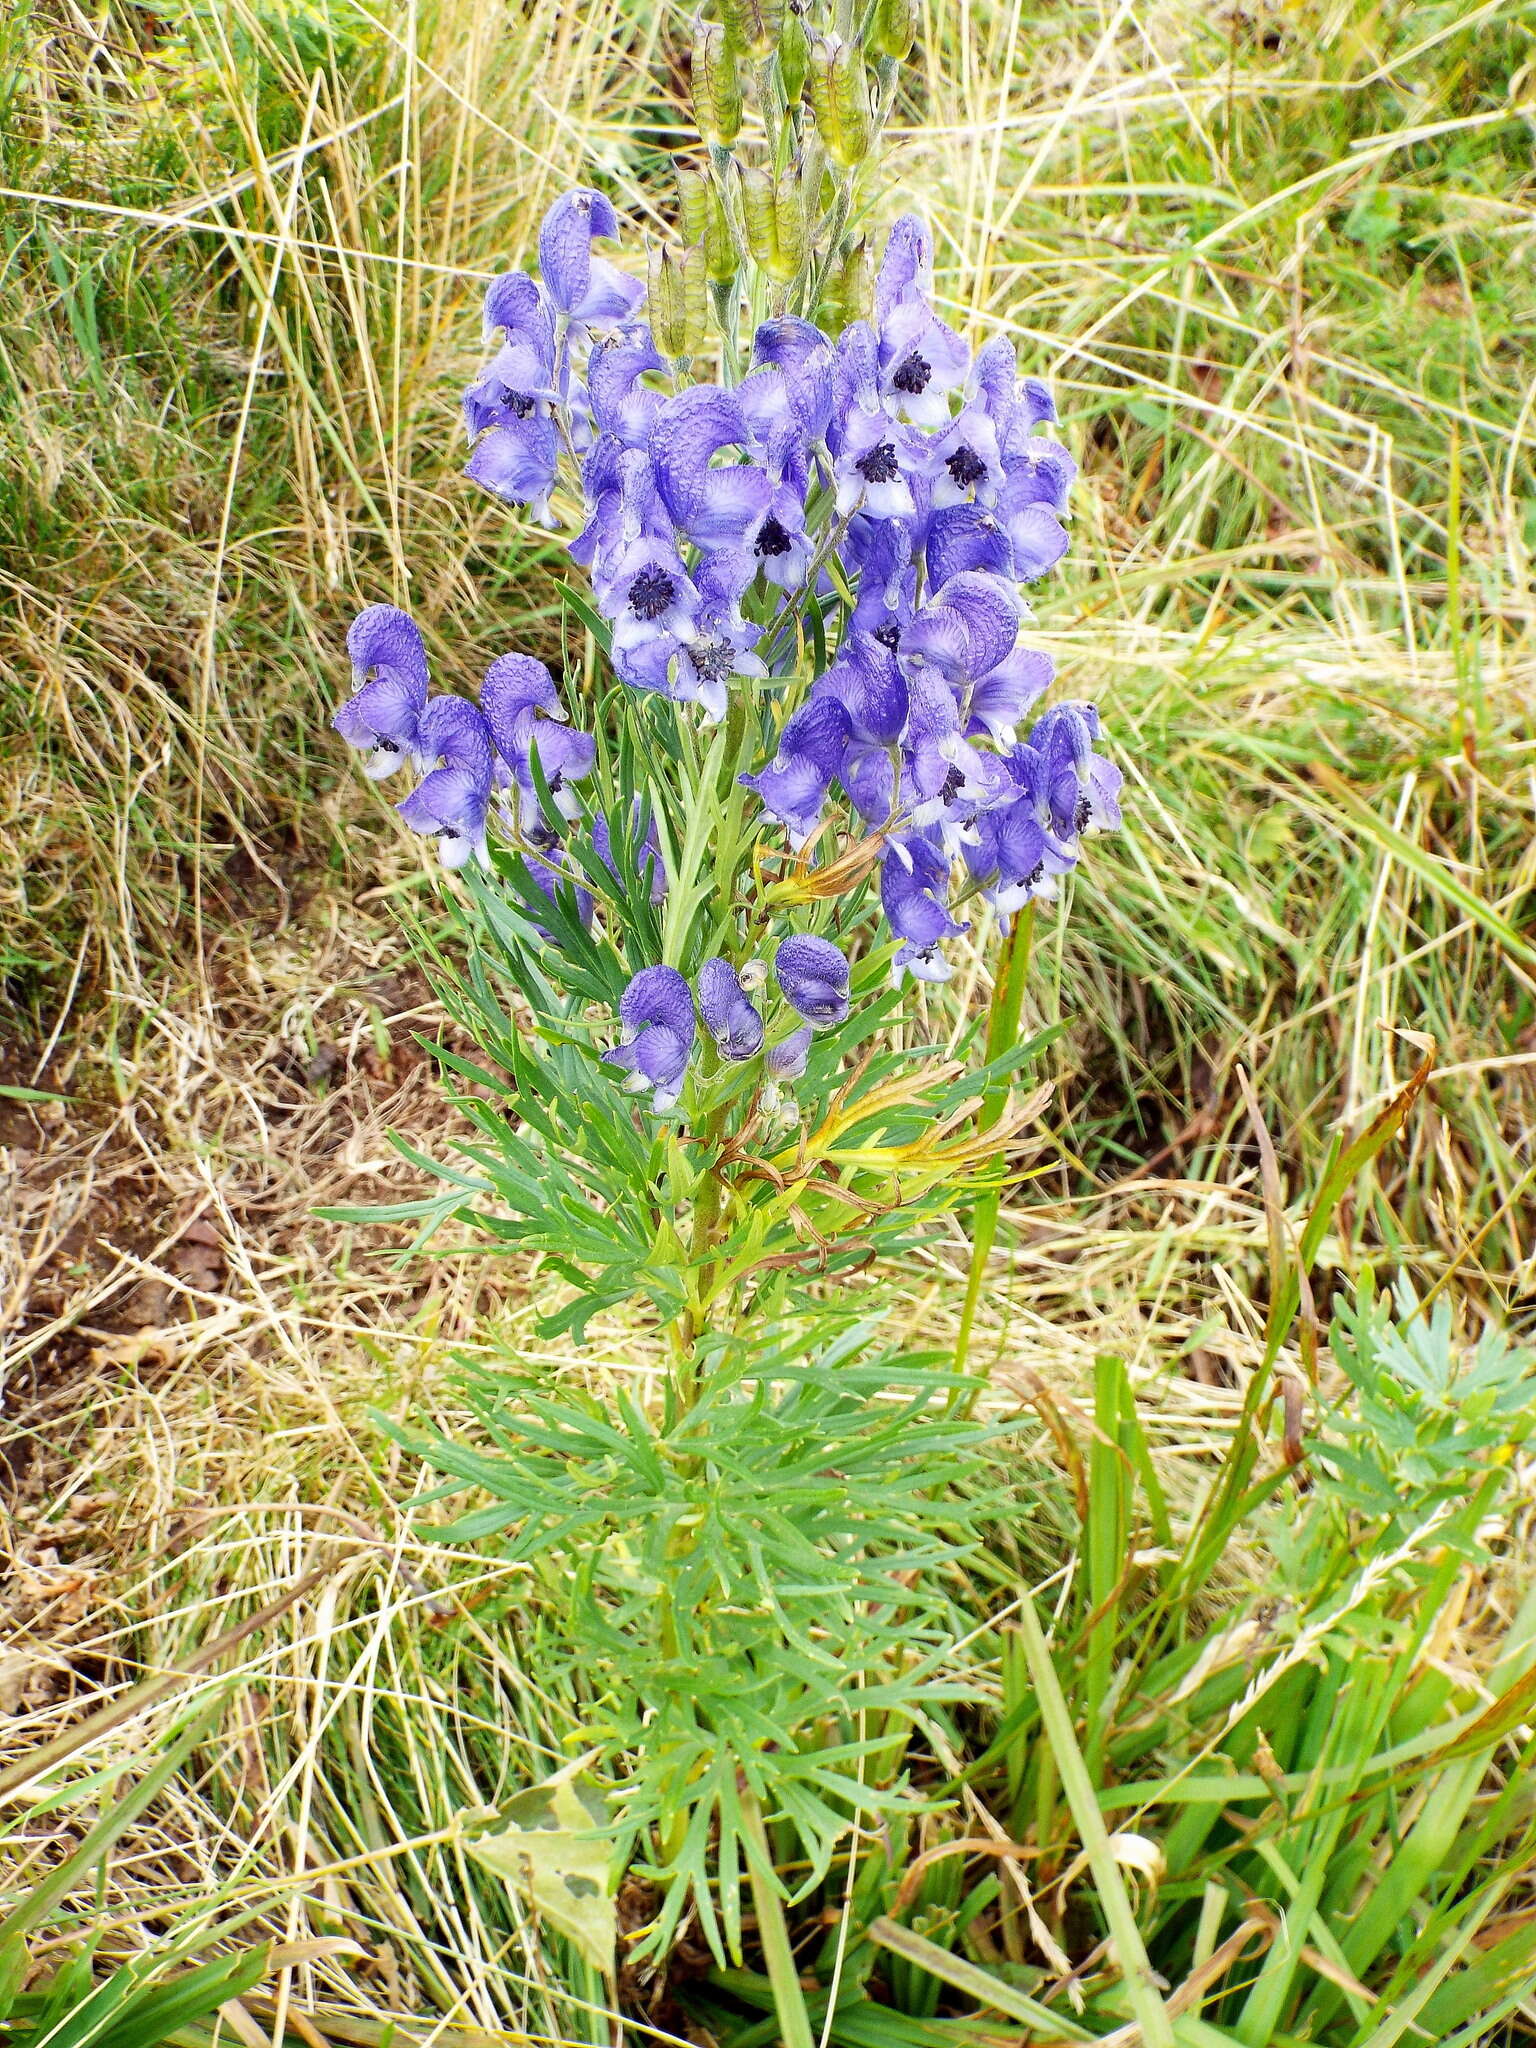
(705, 223)
(794, 55)
(774, 212)
(851, 287)
(678, 302)
(755, 25)
(840, 99)
(894, 28)
(716, 85)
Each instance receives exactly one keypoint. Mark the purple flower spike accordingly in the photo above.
(390, 664)
(584, 286)
(450, 806)
(729, 1018)
(621, 405)
(657, 1023)
(452, 734)
(814, 977)
(786, 1060)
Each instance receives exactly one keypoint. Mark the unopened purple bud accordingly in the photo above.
(731, 1021)
(813, 974)
(786, 1060)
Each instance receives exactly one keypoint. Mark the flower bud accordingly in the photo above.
(794, 53)
(716, 85)
(705, 223)
(893, 28)
(755, 25)
(678, 304)
(774, 211)
(840, 100)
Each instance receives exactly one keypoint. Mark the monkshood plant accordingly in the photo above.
(705, 875)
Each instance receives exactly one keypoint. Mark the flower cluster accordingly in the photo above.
(881, 493)
(659, 1023)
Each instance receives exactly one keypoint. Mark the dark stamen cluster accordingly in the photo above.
(651, 593)
(879, 466)
(772, 538)
(966, 467)
(912, 375)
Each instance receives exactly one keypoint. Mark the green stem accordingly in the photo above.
(1002, 1031)
(773, 1931)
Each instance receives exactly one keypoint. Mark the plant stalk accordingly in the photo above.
(1002, 1030)
(773, 1930)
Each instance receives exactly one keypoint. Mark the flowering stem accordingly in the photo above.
(1002, 1031)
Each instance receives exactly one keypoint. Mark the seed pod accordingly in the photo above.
(893, 29)
(794, 54)
(705, 222)
(774, 211)
(851, 287)
(755, 25)
(678, 303)
(840, 99)
(716, 85)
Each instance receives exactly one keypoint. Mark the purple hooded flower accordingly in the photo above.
(1036, 537)
(518, 309)
(517, 462)
(786, 1060)
(584, 286)
(876, 463)
(813, 974)
(731, 1020)
(453, 734)
(914, 886)
(1001, 698)
(657, 1033)
(1014, 406)
(516, 693)
(716, 506)
(793, 787)
(1009, 853)
(645, 854)
(964, 462)
(1080, 790)
(389, 664)
(514, 385)
(523, 711)
(450, 806)
(790, 387)
(723, 642)
(621, 405)
(965, 629)
(653, 604)
(962, 537)
(906, 267)
(866, 680)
